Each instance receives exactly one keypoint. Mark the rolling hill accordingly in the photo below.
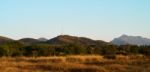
(66, 39)
(5, 40)
(29, 41)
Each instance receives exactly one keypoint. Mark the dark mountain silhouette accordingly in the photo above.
(133, 40)
(66, 39)
(5, 40)
(29, 41)
(62, 39)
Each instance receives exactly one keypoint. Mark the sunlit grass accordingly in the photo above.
(75, 63)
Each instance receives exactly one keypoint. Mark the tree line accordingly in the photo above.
(13, 49)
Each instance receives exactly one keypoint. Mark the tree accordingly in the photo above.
(2, 51)
(109, 50)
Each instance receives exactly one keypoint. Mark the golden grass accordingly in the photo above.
(87, 63)
(81, 58)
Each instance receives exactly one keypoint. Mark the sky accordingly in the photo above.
(96, 19)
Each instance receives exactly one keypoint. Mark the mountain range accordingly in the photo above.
(67, 39)
(59, 40)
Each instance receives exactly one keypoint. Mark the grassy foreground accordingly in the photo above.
(78, 63)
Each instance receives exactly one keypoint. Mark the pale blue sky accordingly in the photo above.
(96, 19)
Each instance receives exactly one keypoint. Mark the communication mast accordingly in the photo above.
(61, 29)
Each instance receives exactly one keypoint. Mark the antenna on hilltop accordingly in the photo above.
(61, 29)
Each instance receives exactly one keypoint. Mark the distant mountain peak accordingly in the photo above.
(42, 39)
(124, 35)
(133, 40)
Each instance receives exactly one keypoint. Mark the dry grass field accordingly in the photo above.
(89, 63)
